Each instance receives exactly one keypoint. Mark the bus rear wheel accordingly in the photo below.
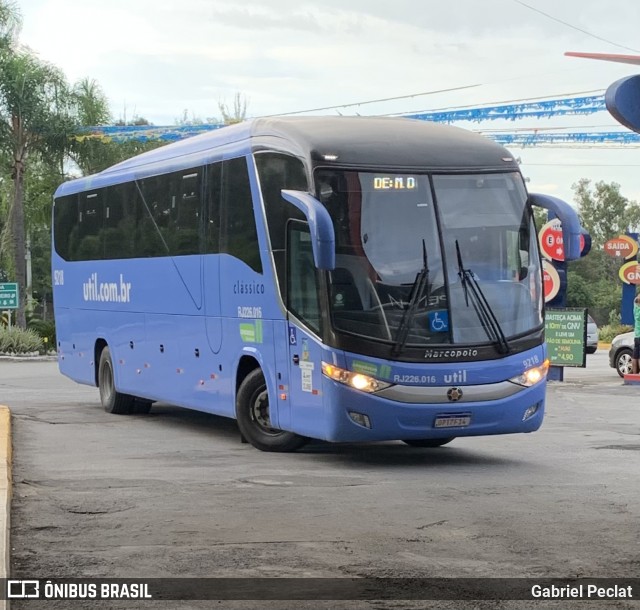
(252, 412)
(428, 442)
(112, 400)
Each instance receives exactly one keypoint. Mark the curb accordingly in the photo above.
(604, 345)
(12, 358)
(5, 494)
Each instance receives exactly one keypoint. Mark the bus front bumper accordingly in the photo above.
(358, 416)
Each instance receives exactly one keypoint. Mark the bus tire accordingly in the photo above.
(427, 442)
(252, 412)
(112, 400)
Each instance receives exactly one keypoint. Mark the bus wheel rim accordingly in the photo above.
(260, 412)
(106, 382)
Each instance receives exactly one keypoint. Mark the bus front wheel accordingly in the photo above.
(428, 442)
(252, 412)
(112, 400)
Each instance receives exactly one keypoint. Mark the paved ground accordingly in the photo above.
(176, 494)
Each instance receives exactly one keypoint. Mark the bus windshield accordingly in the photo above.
(412, 250)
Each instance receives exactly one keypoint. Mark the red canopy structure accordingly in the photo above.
(622, 59)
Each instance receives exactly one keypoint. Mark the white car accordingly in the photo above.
(620, 353)
(592, 335)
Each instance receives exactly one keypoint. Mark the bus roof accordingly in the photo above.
(376, 142)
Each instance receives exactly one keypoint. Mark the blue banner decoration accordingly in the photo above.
(536, 109)
(588, 138)
(145, 133)
(540, 110)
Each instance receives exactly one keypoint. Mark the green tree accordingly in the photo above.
(185, 119)
(41, 180)
(10, 22)
(35, 122)
(6, 259)
(540, 217)
(604, 211)
(135, 120)
(579, 293)
(92, 109)
(237, 114)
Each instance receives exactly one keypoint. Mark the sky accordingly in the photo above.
(161, 58)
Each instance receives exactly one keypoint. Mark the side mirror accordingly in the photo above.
(323, 239)
(571, 229)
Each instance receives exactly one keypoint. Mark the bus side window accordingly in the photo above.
(65, 217)
(155, 229)
(186, 194)
(278, 171)
(239, 236)
(302, 277)
(119, 223)
(90, 224)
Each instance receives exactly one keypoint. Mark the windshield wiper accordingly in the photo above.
(481, 306)
(419, 284)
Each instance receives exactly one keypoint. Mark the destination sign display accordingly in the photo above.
(395, 182)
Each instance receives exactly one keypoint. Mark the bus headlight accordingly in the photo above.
(358, 381)
(532, 376)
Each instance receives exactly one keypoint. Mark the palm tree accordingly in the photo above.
(92, 109)
(35, 120)
(10, 22)
(237, 114)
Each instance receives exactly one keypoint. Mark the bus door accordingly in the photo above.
(305, 350)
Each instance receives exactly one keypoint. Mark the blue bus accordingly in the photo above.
(335, 278)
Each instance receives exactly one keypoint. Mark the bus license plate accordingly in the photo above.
(452, 421)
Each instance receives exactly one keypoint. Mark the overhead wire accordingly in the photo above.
(412, 95)
(433, 92)
(385, 99)
(338, 107)
(574, 27)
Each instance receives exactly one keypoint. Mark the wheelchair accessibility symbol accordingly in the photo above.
(293, 338)
(439, 321)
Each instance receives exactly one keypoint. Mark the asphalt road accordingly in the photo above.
(174, 493)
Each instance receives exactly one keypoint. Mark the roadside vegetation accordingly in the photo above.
(20, 341)
(593, 280)
(609, 331)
